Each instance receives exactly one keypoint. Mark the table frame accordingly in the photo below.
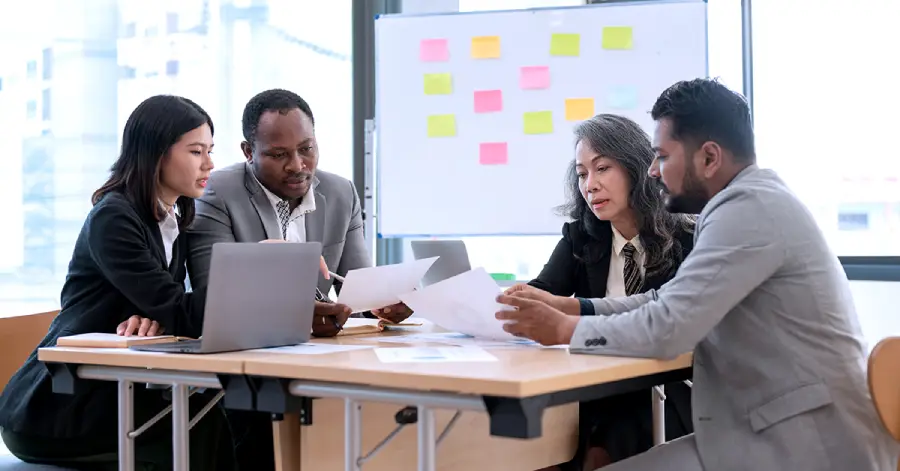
(513, 417)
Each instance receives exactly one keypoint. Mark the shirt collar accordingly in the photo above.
(171, 212)
(307, 204)
(619, 242)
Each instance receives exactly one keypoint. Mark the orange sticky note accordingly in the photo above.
(493, 153)
(579, 109)
(487, 101)
(486, 47)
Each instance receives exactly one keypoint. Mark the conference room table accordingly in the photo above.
(521, 408)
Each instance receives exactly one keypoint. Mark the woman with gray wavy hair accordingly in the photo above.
(621, 241)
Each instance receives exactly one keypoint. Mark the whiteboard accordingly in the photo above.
(473, 128)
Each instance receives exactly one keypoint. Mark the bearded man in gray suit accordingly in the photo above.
(763, 303)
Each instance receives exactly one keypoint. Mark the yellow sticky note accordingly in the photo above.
(485, 47)
(565, 44)
(438, 84)
(617, 37)
(538, 122)
(579, 109)
(441, 125)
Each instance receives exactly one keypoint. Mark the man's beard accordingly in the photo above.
(692, 198)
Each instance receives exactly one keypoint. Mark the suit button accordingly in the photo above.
(589, 343)
(601, 341)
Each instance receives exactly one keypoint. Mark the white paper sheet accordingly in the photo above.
(463, 340)
(312, 349)
(465, 303)
(433, 355)
(370, 288)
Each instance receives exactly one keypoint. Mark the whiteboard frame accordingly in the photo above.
(375, 165)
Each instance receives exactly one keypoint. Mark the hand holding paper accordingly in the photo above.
(371, 288)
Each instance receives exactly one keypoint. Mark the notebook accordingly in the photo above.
(360, 326)
(100, 340)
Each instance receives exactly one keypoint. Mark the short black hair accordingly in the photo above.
(703, 110)
(150, 132)
(276, 99)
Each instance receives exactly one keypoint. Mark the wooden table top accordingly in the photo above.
(518, 372)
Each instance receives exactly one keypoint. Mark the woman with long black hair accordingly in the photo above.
(128, 264)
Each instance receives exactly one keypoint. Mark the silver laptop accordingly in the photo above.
(259, 295)
(454, 259)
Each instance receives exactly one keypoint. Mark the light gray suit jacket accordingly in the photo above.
(234, 208)
(779, 360)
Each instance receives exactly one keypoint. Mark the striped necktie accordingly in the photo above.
(632, 272)
(284, 217)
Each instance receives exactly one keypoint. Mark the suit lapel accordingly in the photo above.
(598, 273)
(262, 205)
(158, 245)
(316, 220)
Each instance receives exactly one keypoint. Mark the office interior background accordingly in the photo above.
(71, 71)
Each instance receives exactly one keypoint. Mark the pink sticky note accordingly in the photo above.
(534, 77)
(434, 50)
(492, 153)
(487, 101)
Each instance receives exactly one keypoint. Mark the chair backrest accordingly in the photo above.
(884, 383)
(19, 335)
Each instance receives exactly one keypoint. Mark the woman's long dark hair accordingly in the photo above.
(150, 132)
(623, 140)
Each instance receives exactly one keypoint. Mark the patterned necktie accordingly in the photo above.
(632, 273)
(284, 217)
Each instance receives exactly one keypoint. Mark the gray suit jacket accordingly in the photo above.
(779, 360)
(234, 208)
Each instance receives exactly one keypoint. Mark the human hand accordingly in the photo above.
(323, 267)
(329, 319)
(139, 326)
(395, 313)
(536, 320)
(567, 305)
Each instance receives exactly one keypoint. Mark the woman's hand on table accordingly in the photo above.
(394, 314)
(139, 326)
(329, 319)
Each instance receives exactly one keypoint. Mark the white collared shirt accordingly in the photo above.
(296, 226)
(615, 282)
(168, 229)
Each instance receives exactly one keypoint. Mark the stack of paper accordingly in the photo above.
(465, 303)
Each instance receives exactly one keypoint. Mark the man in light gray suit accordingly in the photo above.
(763, 303)
(279, 194)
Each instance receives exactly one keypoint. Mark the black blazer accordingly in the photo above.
(622, 424)
(118, 269)
(567, 273)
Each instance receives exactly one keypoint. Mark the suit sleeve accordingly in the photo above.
(117, 245)
(558, 275)
(730, 259)
(355, 254)
(212, 224)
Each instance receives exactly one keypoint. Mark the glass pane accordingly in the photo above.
(825, 108)
(73, 70)
(525, 256)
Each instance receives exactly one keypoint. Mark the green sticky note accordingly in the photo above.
(617, 37)
(441, 125)
(564, 44)
(438, 84)
(538, 122)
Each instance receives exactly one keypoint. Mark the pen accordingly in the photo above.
(324, 299)
(336, 276)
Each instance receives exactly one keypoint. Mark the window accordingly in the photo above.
(84, 98)
(525, 256)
